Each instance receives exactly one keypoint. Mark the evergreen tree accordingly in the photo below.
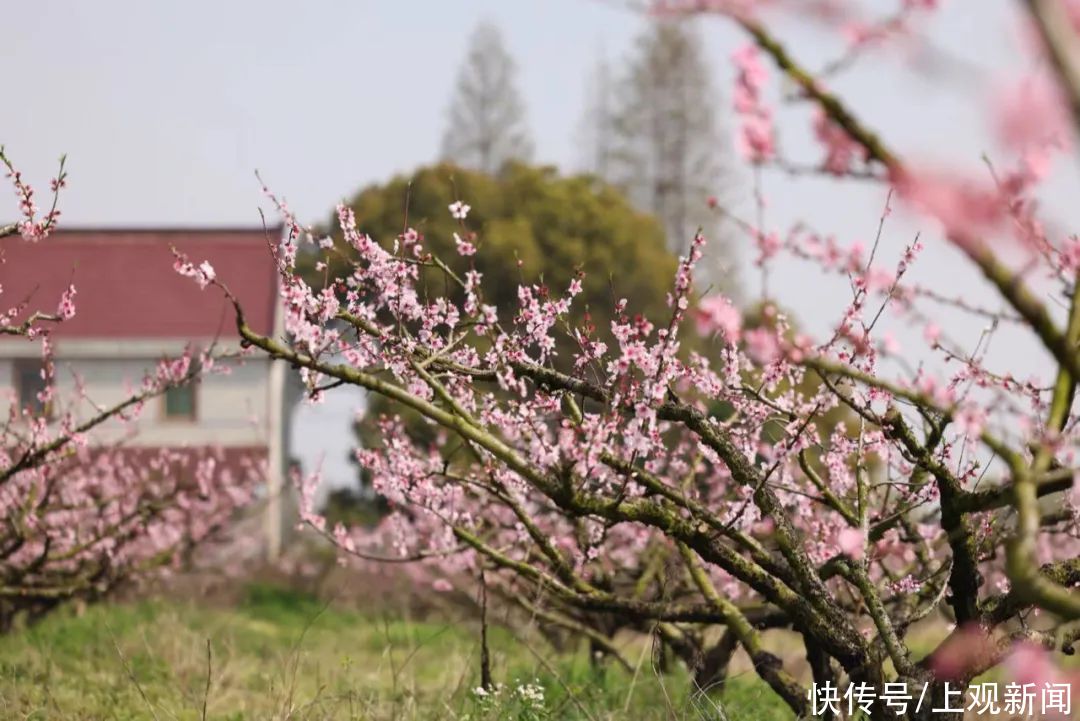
(596, 129)
(486, 125)
(666, 151)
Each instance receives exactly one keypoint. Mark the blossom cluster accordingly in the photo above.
(83, 510)
(757, 142)
(33, 227)
(759, 476)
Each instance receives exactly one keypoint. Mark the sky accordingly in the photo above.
(166, 110)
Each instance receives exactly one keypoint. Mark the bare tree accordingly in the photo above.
(487, 117)
(666, 148)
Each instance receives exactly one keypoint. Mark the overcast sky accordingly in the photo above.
(166, 110)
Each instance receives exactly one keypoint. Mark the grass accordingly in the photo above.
(281, 655)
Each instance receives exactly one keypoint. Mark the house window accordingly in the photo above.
(29, 383)
(180, 403)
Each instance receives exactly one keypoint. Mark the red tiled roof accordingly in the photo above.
(126, 286)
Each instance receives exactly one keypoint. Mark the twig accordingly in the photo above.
(633, 679)
(131, 675)
(554, 674)
(485, 655)
(209, 667)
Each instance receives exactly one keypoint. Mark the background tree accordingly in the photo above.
(531, 226)
(596, 130)
(665, 148)
(486, 124)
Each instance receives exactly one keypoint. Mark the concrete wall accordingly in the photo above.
(242, 409)
(231, 410)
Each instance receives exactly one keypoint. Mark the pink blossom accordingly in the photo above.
(1032, 122)
(859, 33)
(932, 333)
(713, 428)
(203, 274)
(877, 279)
(970, 420)
(768, 244)
(85, 510)
(66, 309)
(717, 313)
(965, 648)
(1032, 113)
(906, 585)
(459, 210)
(852, 543)
(966, 208)
(765, 527)
(756, 140)
(1072, 10)
(840, 149)
(33, 228)
(1028, 663)
(464, 247)
(762, 345)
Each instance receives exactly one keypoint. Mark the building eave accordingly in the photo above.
(115, 348)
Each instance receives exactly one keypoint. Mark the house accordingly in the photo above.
(133, 309)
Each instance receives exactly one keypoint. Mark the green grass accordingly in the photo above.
(280, 655)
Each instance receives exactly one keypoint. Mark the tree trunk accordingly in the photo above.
(713, 667)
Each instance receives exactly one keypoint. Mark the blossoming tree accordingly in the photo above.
(80, 512)
(689, 490)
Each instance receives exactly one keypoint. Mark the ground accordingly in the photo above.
(280, 655)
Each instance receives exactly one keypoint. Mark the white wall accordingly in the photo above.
(231, 410)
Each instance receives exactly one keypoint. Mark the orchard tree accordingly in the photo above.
(486, 122)
(81, 514)
(530, 223)
(632, 480)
